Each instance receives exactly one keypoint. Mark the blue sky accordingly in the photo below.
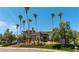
(9, 17)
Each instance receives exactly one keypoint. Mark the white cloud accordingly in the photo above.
(2, 23)
(13, 27)
(5, 25)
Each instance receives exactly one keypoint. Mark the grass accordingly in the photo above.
(68, 49)
(50, 46)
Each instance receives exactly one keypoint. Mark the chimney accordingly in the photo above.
(33, 30)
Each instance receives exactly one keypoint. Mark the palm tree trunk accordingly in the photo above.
(61, 27)
(36, 25)
(28, 27)
(17, 32)
(53, 26)
(36, 29)
(17, 35)
(60, 22)
(20, 26)
(52, 23)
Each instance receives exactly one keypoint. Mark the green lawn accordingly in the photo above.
(50, 46)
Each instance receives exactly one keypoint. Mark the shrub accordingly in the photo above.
(68, 46)
(59, 46)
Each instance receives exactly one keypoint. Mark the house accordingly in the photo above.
(41, 35)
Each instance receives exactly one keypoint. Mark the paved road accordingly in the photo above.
(9, 49)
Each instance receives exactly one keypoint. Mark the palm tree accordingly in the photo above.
(35, 16)
(29, 22)
(27, 9)
(17, 28)
(20, 17)
(23, 22)
(61, 29)
(29, 27)
(60, 15)
(52, 15)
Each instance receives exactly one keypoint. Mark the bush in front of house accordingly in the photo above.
(69, 46)
(57, 46)
(60, 46)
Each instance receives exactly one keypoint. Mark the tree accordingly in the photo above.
(66, 36)
(22, 37)
(67, 33)
(60, 25)
(0, 38)
(27, 9)
(60, 15)
(30, 20)
(35, 16)
(77, 39)
(56, 35)
(17, 26)
(8, 37)
(52, 15)
(23, 22)
(20, 17)
(64, 32)
(29, 27)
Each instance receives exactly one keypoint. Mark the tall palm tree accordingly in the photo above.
(23, 22)
(60, 15)
(27, 9)
(29, 28)
(17, 26)
(20, 17)
(30, 20)
(35, 16)
(52, 15)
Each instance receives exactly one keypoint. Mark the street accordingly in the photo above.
(11, 49)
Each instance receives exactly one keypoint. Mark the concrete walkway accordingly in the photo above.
(10, 49)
